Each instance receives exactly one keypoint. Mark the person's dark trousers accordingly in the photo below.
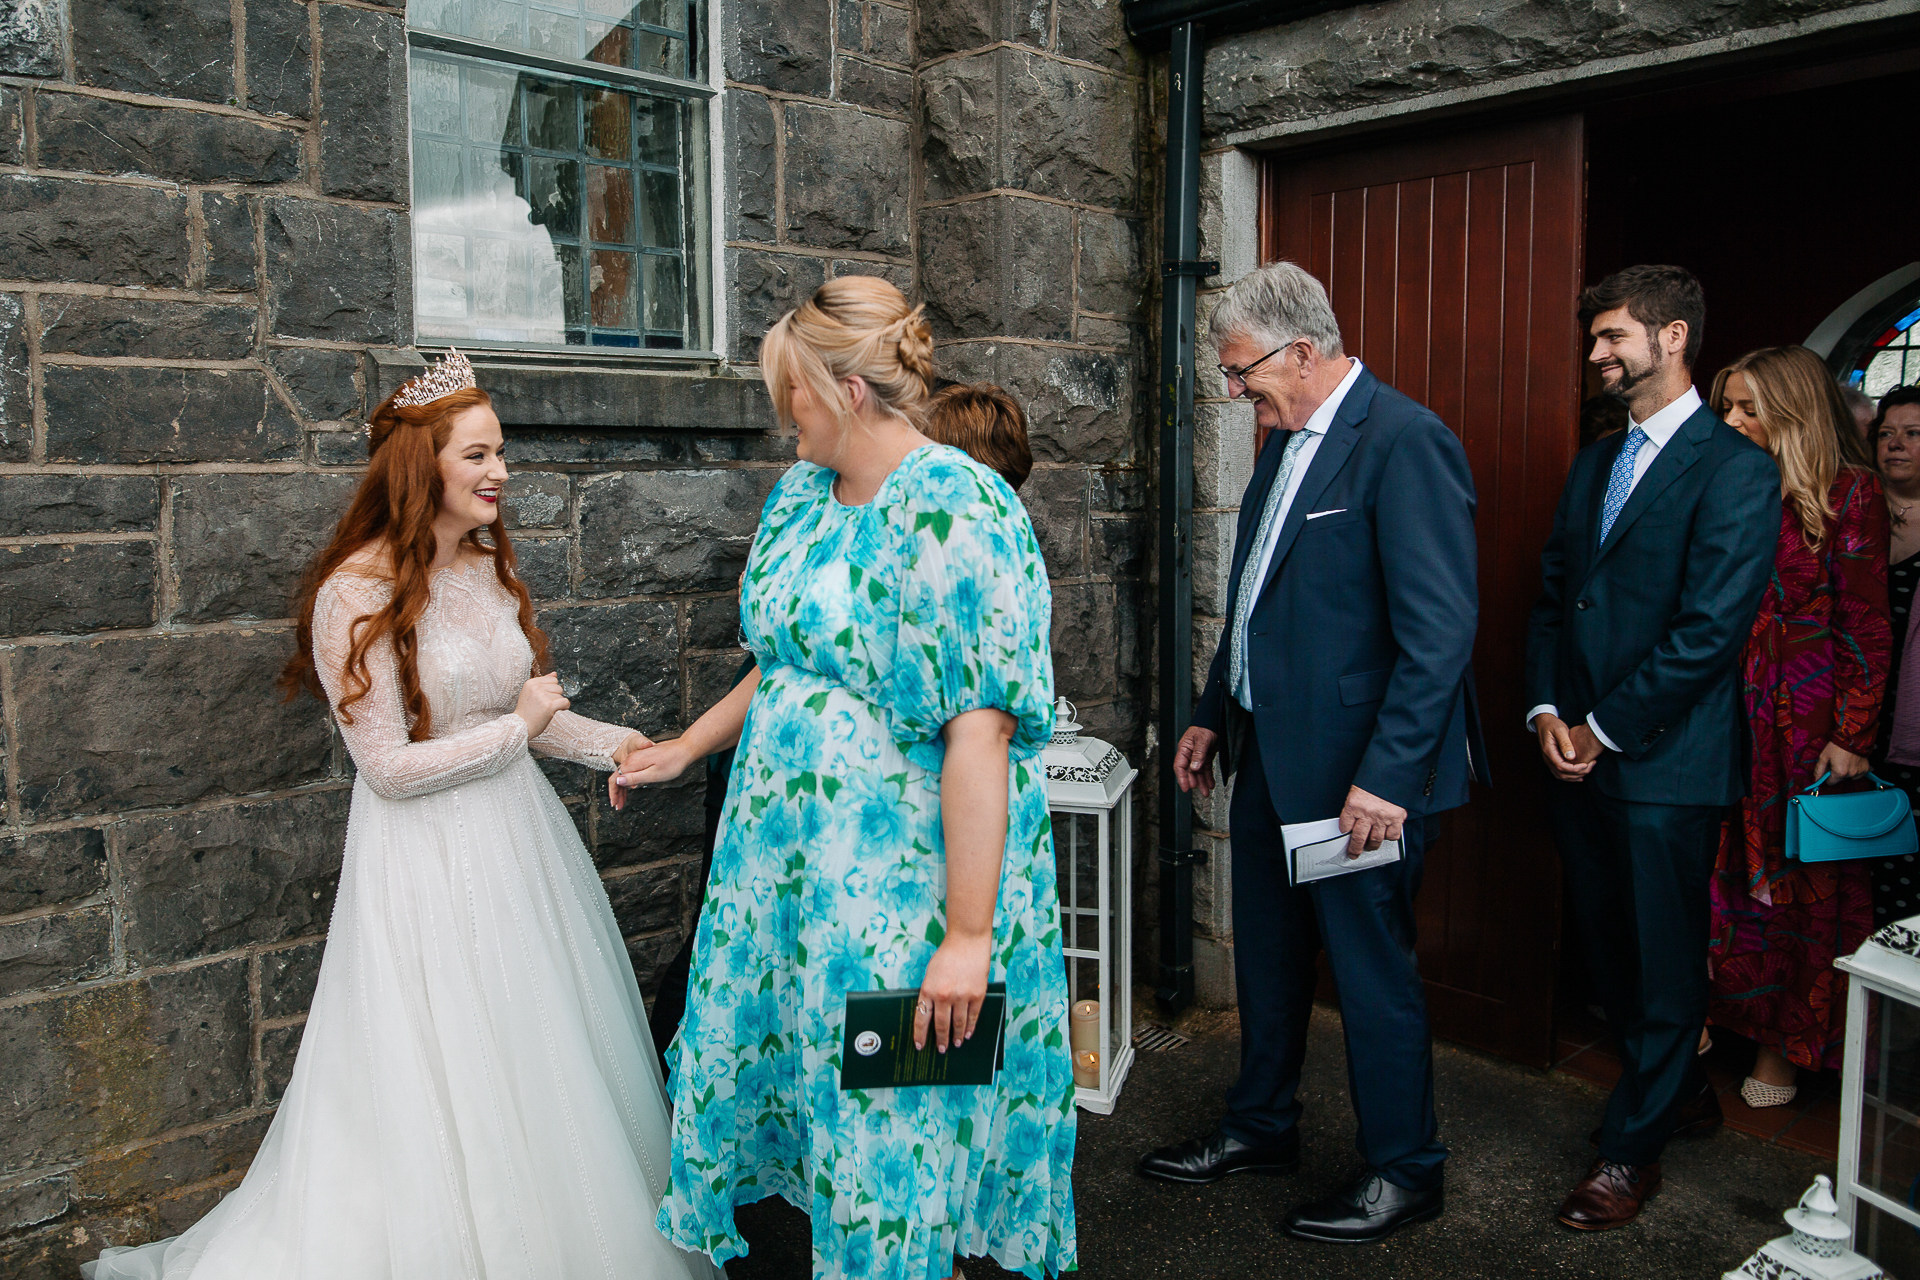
(670, 1004)
(1636, 877)
(1365, 922)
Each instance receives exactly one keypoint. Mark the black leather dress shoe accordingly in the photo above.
(1369, 1210)
(1699, 1114)
(1213, 1157)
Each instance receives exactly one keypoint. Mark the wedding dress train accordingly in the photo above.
(476, 1094)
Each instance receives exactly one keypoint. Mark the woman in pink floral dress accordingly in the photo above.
(1814, 670)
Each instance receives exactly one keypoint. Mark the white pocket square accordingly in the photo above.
(1315, 515)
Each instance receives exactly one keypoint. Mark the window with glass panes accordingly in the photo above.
(1894, 358)
(559, 173)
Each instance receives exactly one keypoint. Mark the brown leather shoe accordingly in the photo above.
(1701, 1114)
(1609, 1196)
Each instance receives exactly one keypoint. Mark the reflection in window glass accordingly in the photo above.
(549, 211)
(650, 36)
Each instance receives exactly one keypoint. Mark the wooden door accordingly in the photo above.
(1454, 264)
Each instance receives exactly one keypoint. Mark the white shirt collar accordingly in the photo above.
(1322, 420)
(1661, 426)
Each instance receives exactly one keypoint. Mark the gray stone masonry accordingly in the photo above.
(1375, 59)
(205, 285)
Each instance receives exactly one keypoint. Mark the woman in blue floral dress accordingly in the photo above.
(885, 827)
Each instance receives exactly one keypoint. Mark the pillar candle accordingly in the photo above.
(1083, 1029)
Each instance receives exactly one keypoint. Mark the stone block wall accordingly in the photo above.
(1357, 65)
(204, 286)
(1033, 181)
(817, 126)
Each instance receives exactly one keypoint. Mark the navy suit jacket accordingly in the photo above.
(1360, 639)
(1645, 632)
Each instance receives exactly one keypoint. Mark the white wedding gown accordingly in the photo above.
(476, 1095)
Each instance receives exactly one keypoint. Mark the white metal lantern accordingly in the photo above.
(1089, 793)
(1879, 1185)
(1815, 1248)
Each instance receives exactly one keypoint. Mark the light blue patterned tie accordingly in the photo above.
(1250, 572)
(1620, 483)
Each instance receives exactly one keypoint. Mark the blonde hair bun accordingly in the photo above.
(914, 341)
(852, 326)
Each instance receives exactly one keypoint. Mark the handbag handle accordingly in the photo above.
(1821, 781)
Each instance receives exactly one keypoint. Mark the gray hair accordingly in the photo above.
(1275, 305)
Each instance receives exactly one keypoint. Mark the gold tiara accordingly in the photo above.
(453, 373)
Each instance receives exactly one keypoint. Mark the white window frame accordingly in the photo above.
(711, 92)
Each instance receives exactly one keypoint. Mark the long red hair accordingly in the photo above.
(394, 509)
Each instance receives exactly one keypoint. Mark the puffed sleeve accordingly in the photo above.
(975, 611)
(394, 767)
(1862, 632)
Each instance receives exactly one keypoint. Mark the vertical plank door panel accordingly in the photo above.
(1453, 265)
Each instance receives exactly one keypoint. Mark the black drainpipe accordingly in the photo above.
(1180, 27)
(1181, 275)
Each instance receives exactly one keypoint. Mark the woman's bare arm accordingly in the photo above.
(973, 820)
(661, 762)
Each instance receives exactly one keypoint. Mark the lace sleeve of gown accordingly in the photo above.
(593, 743)
(394, 767)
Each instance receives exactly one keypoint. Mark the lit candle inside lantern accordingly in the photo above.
(1086, 1069)
(1083, 1029)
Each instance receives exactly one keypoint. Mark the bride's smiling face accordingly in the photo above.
(473, 469)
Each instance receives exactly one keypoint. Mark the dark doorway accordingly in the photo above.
(1792, 193)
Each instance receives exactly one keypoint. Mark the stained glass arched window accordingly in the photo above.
(1892, 358)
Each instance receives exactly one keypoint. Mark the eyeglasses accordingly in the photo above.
(1240, 375)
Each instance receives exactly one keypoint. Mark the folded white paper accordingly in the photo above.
(1317, 850)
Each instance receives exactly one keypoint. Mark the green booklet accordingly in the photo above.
(876, 1046)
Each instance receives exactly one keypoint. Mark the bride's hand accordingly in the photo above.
(540, 699)
(653, 764)
(635, 742)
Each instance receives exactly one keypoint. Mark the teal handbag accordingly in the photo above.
(1853, 824)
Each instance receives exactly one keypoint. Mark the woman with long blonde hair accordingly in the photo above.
(885, 828)
(1814, 670)
(474, 1093)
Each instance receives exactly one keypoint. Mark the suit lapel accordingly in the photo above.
(1681, 451)
(1335, 447)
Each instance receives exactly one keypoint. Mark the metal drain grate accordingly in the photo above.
(1154, 1038)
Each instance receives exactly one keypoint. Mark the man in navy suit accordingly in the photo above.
(1661, 547)
(1340, 689)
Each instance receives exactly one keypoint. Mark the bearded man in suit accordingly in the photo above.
(1341, 687)
(1660, 549)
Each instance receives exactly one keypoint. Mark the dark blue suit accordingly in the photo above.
(1358, 647)
(1644, 632)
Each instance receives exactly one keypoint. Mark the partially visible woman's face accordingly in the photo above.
(1899, 445)
(473, 468)
(1737, 407)
(823, 440)
(819, 433)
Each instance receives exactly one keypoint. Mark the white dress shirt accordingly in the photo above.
(1659, 428)
(1316, 430)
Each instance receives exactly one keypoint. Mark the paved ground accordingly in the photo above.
(1518, 1138)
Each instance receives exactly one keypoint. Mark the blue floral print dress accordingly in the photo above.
(873, 626)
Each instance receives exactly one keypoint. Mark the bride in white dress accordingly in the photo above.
(476, 1095)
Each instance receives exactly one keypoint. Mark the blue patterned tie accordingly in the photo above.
(1620, 483)
(1250, 572)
